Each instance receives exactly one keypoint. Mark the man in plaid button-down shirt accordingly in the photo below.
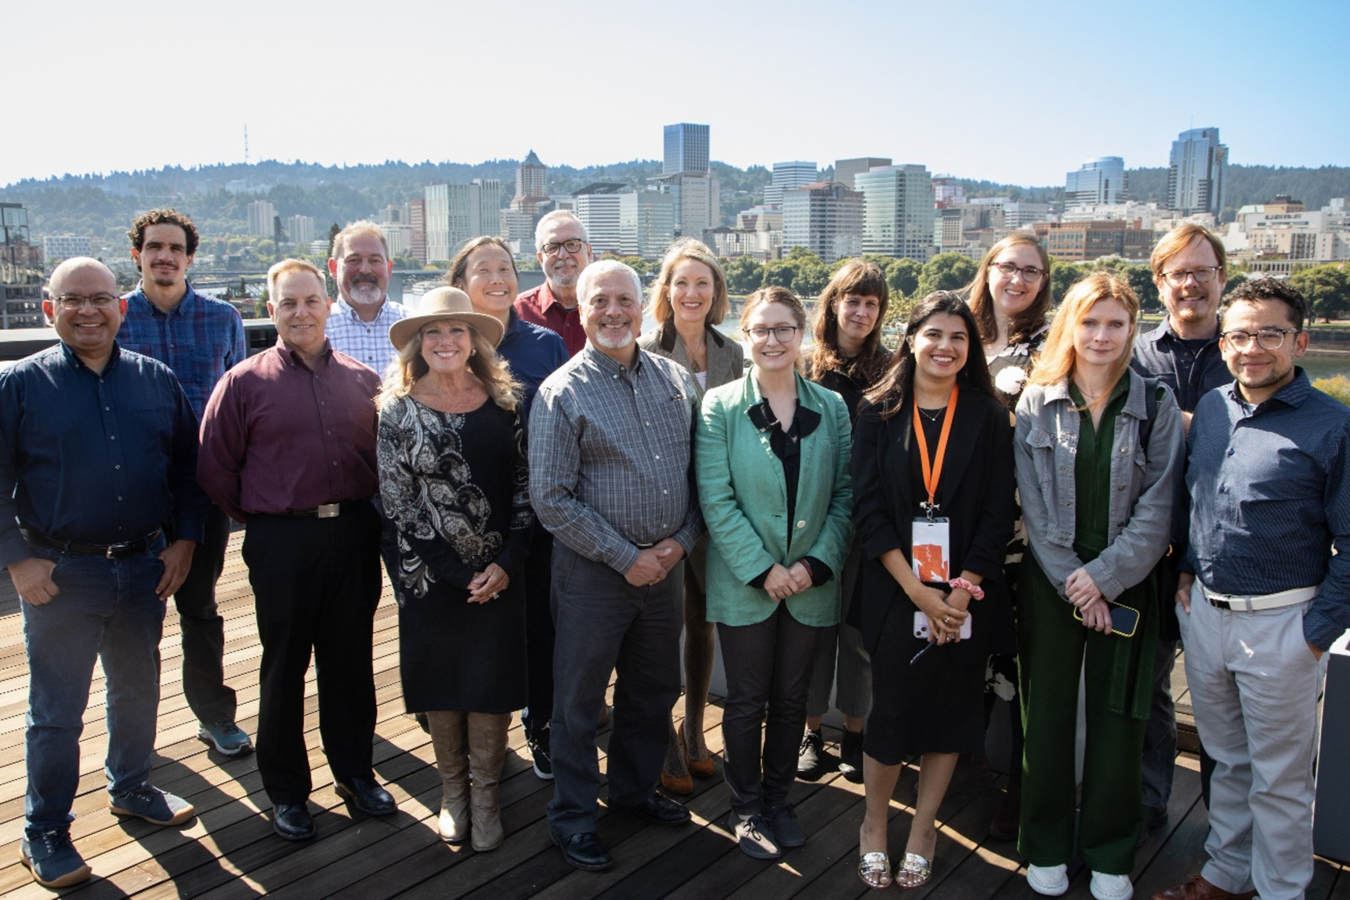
(611, 478)
(359, 323)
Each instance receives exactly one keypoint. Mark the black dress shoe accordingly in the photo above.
(659, 811)
(584, 851)
(293, 821)
(367, 796)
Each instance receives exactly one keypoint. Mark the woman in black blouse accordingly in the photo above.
(933, 490)
(453, 477)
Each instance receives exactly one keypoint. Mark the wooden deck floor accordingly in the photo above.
(229, 850)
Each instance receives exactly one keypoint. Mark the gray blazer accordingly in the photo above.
(726, 359)
(1143, 482)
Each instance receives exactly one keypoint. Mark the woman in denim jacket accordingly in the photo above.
(1098, 511)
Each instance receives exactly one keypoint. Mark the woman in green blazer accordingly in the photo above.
(772, 457)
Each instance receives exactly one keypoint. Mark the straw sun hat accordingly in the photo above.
(446, 303)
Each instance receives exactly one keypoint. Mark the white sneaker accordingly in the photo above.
(1048, 881)
(1111, 887)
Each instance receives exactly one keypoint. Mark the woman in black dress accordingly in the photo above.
(453, 477)
(933, 491)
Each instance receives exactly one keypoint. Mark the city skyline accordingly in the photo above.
(846, 100)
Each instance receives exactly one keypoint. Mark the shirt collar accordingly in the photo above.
(547, 300)
(1292, 394)
(1164, 332)
(609, 364)
(74, 360)
(184, 306)
(345, 308)
(292, 357)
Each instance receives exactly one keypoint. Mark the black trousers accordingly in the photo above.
(539, 631)
(604, 623)
(203, 628)
(768, 666)
(316, 583)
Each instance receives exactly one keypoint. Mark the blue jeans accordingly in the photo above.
(106, 608)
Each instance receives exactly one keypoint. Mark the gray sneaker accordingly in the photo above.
(753, 836)
(228, 738)
(53, 859)
(786, 830)
(153, 805)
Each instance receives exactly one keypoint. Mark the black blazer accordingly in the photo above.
(975, 492)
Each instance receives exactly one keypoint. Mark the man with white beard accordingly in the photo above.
(359, 325)
(610, 477)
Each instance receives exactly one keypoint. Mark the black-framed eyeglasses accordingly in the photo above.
(1029, 274)
(572, 245)
(1266, 338)
(1202, 275)
(76, 301)
(760, 333)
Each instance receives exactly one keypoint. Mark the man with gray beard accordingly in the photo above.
(359, 326)
(564, 251)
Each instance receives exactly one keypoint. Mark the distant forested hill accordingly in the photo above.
(217, 197)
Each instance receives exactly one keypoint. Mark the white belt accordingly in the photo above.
(1253, 602)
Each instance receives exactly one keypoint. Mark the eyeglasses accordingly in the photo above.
(1029, 274)
(1202, 275)
(759, 334)
(572, 245)
(97, 301)
(1266, 338)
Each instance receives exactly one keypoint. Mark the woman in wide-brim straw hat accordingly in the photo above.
(453, 477)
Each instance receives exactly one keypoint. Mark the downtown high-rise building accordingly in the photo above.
(300, 229)
(646, 223)
(898, 213)
(825, 218)
(687, 176)
(261, 215)
(531, 185)
(597, 206)
(788, 176)
(687, 149)
(1195, 172)
(458, 213)
(1098, 182)
(846, 169)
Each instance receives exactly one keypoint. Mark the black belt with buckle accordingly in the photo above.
(108, 551)
(323, 510)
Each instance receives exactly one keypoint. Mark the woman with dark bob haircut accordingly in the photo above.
(847, 357)
(933, 491)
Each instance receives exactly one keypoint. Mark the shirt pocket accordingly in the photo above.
(1042, 445)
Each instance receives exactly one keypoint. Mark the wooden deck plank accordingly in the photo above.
(229, 850)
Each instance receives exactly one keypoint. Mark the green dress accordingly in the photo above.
(1052, 647)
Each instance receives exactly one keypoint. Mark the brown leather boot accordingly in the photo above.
(450, 739)
(487, 752)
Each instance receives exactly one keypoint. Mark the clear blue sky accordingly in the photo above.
(1011, 92)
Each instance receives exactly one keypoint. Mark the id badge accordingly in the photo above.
(932, 550)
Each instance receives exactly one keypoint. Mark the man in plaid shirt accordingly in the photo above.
(200, 338)
(359, 324)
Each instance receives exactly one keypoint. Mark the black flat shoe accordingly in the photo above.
(584, 851)
(292, 821)
(367, 796)
(659, 811)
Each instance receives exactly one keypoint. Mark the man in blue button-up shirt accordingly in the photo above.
(200, 338)
(1262, 595)
(98, 456)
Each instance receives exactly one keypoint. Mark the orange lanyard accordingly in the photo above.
(932, 472)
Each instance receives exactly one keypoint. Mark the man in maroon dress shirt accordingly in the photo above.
(288, 448)
(563, 251)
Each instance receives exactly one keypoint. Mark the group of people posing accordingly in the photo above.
(1008, 498)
